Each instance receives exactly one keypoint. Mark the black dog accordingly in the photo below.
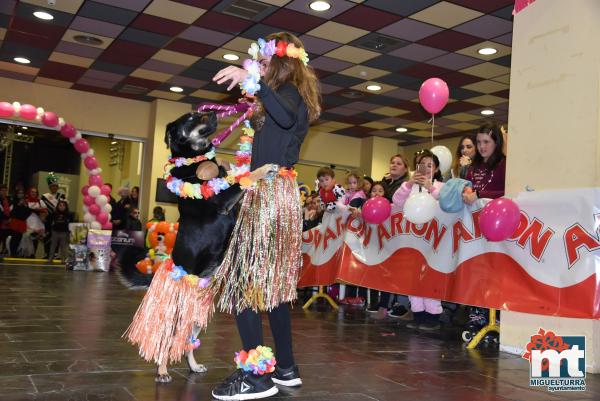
(205, 225)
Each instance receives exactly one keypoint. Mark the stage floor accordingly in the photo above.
(60, 339)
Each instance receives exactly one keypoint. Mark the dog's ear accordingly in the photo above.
(171, 126)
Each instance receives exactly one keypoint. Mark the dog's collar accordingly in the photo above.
(188, 161)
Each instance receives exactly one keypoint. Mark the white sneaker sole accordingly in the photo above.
(288, 383)
(254, 396)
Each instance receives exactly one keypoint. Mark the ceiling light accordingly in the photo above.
(231, 57)
(113, 142)
(22, 60)
(176, 89)
(320, 6)
(43, 15)
(487, 51)
(401, 129)
(24, 127)
(19, 133)
(487, 112)
(88, 40)
(374, 88)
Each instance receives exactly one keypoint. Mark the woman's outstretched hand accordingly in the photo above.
(231, 73)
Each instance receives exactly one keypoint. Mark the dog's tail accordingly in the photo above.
(128, 273)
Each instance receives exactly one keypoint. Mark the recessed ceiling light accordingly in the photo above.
(401, 129)
(487, 51)
(231, 57)
(320, 6)
(43, 15)
(24, 127)
(88, 40)
(176, 89)
(374, 88)
(113, 142)
(487, 112)
(19, 133)
(22, 60)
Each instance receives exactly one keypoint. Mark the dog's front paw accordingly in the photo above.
(198, 368)
(163, 378)
(263, 172)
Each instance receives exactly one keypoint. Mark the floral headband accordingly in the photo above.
(280, 48)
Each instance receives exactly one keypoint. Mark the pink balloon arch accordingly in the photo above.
(96, 198)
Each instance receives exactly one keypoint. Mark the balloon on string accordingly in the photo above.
(376, 210)
(499, 219)
(420, 208)
(444, 155)
(434, 95)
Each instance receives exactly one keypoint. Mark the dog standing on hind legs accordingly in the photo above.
(205, 225)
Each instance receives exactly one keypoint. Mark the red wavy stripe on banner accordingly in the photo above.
(492, 280)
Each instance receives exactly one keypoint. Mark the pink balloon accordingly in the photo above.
(50, 119)
(433, 95)
(94, 209)
(376, 210)
(68, 131)
(102, 218)
(105, 190)
(90, 162)
(6, 109)
(82, 146)
(28, 111)
(107, 226)
(95, 180)
(499, 219)
(88, 200)
(84, 190)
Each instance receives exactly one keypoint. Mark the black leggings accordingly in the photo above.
(250, 327)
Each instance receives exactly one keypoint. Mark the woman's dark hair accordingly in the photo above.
(367, 178)
(64, 203)
(493, 130)
(420, 155)
(458, 153)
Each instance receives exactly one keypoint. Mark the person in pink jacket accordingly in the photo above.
(427, 177)
(354, 197)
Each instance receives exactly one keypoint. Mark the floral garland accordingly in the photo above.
(258, 361)
(238, 174)
(281, 48)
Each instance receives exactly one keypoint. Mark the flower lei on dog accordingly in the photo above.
(257, 361)
(238, 174)
(281, 48)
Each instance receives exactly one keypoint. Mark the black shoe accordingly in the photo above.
(397, 311)
(245, 386)
(289, 377)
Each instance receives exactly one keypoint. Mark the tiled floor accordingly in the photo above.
(60, 340)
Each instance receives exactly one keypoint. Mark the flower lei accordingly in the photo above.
(281, 48)
(238, 174)
(258, 361)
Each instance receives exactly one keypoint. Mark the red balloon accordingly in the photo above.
(433, 95)
(499, 219)
(88, 200)
(68, 131)
(28, 111)
(90, 162)
(50, 119)
(95, 180)
(102, 218)
(105, 190)
(94, 209)
(376, 210)
(6, 109)
(82, 146)
(84, 190)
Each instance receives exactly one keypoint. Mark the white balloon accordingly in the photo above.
(95, 225)
(445, 157)
(107, 208)
(101, 200)
(93, 191)
(420, 208)
(88, 218)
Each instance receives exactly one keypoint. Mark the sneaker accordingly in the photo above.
(430, 326)
(412, 325)
(397, 311)
(245, 386)
(289, 377)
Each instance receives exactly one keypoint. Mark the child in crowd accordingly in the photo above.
(426, 311)
(59, 226)
(329, 191)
